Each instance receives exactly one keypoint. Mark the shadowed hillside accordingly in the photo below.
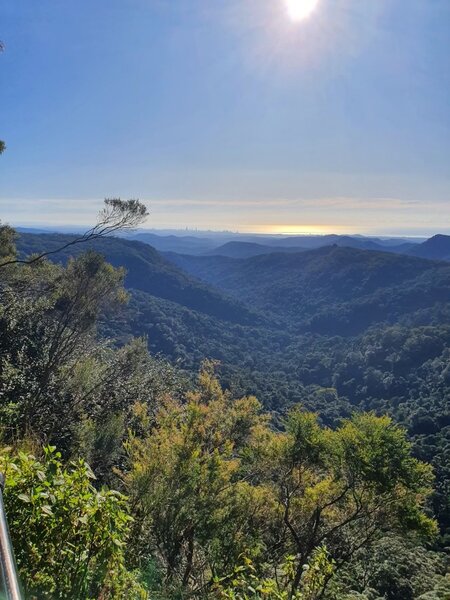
(147, 271)
(437, 247)
(347, 288)
(248, 249)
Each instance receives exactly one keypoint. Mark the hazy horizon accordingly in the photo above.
(165, 231)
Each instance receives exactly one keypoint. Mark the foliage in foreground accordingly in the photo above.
(68, 537)
(211, 479)
(244, 583)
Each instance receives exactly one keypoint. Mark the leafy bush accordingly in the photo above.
(68, 537)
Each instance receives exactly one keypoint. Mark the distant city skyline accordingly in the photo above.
(192, 231)
(229, 115)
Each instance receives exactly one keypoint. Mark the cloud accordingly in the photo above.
(314, 203)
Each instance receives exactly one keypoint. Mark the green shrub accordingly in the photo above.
(68, 537)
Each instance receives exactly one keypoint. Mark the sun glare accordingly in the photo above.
(297, 229)
(300, 9)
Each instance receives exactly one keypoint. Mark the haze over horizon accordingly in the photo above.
(194, 231)
(233, 116)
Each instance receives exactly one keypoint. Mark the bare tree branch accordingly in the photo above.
(117, 215)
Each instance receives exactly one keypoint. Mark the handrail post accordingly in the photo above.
(7, 562)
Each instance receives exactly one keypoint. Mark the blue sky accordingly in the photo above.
(227, 114)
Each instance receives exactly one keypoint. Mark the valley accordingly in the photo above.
(335, 328)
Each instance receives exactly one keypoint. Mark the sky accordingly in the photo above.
(228, 114)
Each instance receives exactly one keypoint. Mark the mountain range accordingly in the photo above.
(347, 288)
(330, 290)
(246, 245)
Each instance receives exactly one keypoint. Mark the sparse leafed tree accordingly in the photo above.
(117, 216)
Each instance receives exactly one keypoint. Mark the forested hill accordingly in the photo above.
(437, 247)
(331, 289)
(248, 249)
(185, 244)
(147, 271)
(343, 330)
(209, 243)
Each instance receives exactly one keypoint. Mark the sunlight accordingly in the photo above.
(300, 9)
(298, 229)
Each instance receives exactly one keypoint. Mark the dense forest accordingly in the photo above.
(334, 328)
(307, 458)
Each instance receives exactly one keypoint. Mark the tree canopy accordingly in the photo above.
(128, 478)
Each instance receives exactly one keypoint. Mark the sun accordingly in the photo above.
(300, 9)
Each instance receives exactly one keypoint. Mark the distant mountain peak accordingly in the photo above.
(436, 248)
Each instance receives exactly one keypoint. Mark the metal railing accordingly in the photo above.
(8, 572)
